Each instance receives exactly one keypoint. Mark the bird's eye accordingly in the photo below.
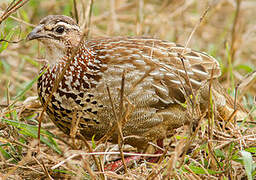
(60, 29)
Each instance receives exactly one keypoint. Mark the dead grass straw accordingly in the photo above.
(12, 8)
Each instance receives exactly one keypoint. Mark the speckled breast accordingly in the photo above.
(72, 99)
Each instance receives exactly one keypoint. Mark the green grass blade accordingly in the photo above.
(31, 130)
(248, 163)
(27, 87)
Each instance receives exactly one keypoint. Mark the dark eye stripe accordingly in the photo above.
(54, 36)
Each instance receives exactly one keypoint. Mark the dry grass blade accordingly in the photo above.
(8, 96)
(22, 167)
(194, 29)
(88, 19)
(232, 116)
(234, 30)
(75, 11)
(210, 107)
(213, 156)
(211, 119)
(3, 40)
(120, 9)
(113, 175)
(23, 162)
(102, 153)
(114, 126)
(181, 56)
(12, 8)
(235, 101)
(113, 24)
(75, 123)
(88, 168)
(190, 140)
(45, 170)
(155, 172)
(91, 151)
(140, 17)
(112, 104)
(119, 123)
(20, 20)
(188, 80)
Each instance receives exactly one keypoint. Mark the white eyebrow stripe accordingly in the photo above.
(61, 23)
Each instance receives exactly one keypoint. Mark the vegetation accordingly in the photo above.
(224, 29)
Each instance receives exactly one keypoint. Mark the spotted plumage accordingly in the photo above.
(155, 84)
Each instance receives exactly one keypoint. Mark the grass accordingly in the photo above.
(228, 152)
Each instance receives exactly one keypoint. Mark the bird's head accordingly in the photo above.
(58, 33)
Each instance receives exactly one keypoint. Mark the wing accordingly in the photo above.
(169, 66)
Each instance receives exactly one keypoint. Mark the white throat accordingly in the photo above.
(54, 52)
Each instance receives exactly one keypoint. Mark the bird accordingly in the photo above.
(145, 83)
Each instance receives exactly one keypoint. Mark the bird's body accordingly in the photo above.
(156, 84)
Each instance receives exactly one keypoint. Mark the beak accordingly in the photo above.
(35, 33)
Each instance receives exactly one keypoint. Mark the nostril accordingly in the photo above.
(35, 33)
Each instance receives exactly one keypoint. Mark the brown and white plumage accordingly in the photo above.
(155, 81)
